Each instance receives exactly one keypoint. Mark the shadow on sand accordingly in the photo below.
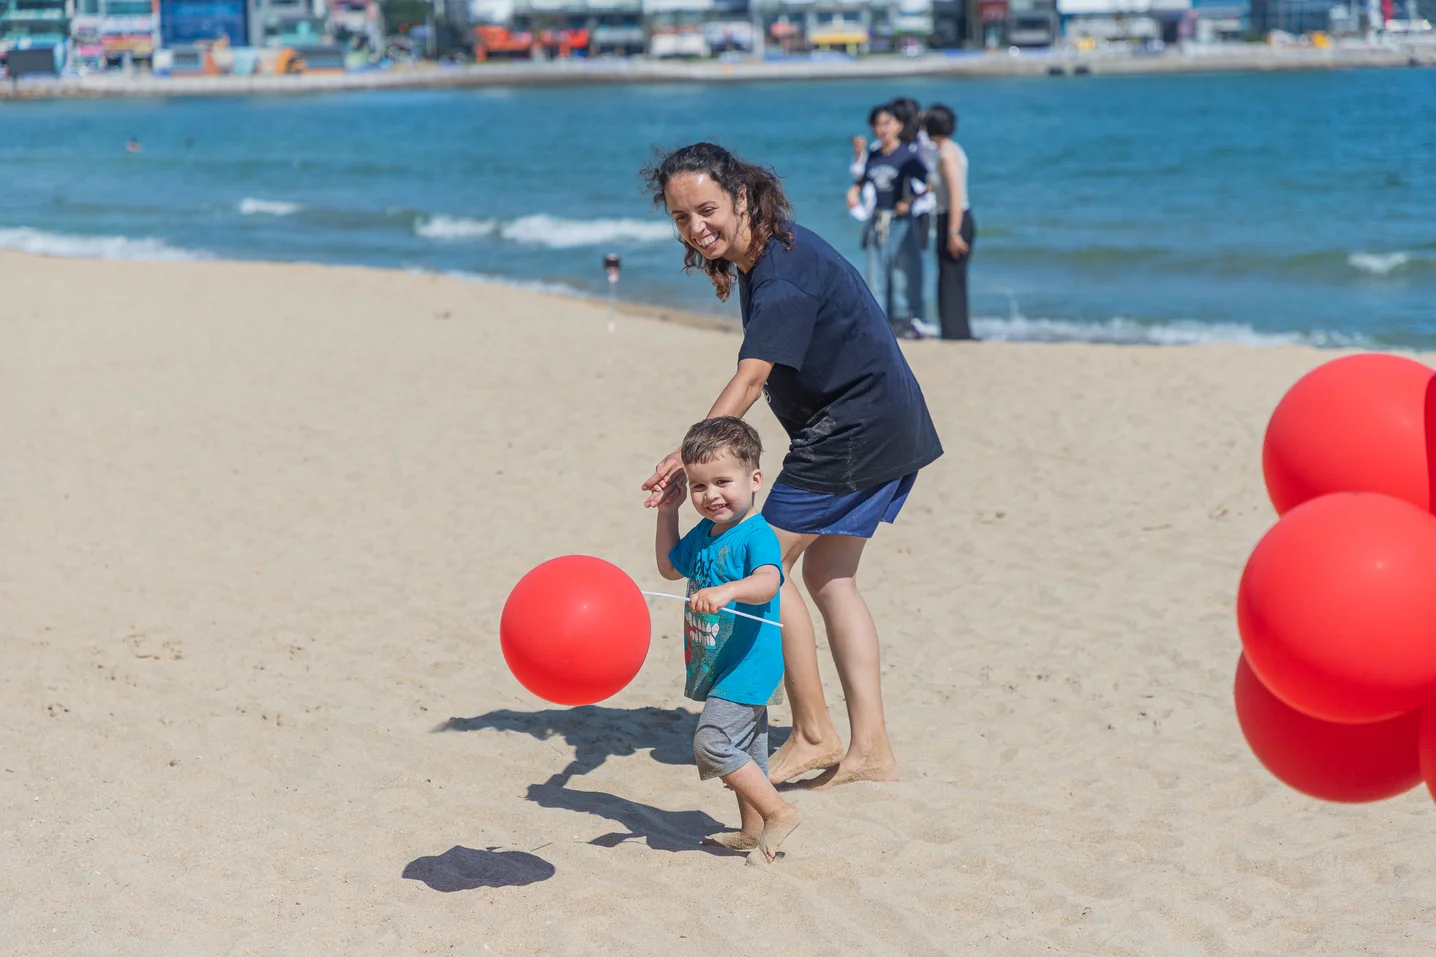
(595, 733)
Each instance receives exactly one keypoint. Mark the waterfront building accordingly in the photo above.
(949, 24)
(1291, 16)
(107, 31)
(849, 26)
(1117, 21)
(187, 23)
(1032, 23)
(697, 28)
(34, 28)
(289, 23)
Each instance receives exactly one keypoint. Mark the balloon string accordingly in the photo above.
(724, 611)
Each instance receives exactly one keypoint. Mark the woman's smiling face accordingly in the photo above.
(705, 215)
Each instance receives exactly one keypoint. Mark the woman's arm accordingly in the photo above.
(956, 192)
(736, 399)
(956, 199)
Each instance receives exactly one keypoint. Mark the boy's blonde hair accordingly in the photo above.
(712, 437)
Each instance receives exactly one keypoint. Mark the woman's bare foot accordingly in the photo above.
(797, 756)
(733, 840)
(776, 827)
(848, 771)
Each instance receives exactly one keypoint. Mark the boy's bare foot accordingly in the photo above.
(797, 756)
(847, 772)
(733, 840)
(776, 827)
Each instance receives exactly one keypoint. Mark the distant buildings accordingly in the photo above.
(35, 29)
(202, 33)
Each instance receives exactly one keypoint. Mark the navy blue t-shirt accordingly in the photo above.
(892, 175)
(840, 385)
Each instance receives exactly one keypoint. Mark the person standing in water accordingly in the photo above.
(817, 344)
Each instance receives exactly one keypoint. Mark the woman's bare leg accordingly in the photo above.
(814, 742)
(830, 568)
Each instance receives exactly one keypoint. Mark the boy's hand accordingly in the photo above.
(710, 601)
(674, 493)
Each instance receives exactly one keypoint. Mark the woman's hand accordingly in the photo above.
(710, 601)
(860, 147)
(902, 207)
(658, 483)
(674, 493)
(852, 197)
(957, 247)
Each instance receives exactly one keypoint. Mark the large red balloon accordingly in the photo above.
(1337, 608)
(1351, 763)
(575, 630)
(1426, 744)
(1363, 423)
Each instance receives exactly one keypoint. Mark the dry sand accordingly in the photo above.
(259, 522)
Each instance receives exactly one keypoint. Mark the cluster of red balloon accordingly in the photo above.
(575, 630)
(1337, 605)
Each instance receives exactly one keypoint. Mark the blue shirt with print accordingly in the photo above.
(736, 659)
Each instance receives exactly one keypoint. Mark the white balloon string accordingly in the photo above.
(723, 611)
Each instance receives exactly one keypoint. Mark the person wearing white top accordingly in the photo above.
(956, 230)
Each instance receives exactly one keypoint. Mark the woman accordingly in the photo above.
(816, 342)
(895, 171)
(955, 228)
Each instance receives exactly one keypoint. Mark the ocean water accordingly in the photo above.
(1252, 208)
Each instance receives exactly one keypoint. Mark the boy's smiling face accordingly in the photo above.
(722, 488)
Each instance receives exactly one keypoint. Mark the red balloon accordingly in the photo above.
(575, 630)
(1426, 745)
(1363, 423)
(1351, 763)
(1337, 608)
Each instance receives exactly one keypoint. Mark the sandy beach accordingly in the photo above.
(259, 522)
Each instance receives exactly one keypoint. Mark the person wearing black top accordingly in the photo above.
(819, 346)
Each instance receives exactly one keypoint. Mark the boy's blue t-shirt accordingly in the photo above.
(736, 659)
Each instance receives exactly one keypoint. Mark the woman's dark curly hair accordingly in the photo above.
(769, 214)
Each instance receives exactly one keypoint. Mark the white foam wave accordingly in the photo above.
(1379, 264)
(453, 228)
(70, 246)
(557, 233)
(1128, 332)
(251, 206)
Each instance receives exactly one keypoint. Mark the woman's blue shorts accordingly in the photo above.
(853, 513)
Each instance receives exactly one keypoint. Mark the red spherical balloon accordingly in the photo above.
(1426, 746)
(1351, 763)
(1364, 423)
(1337, 608)
(575, 630)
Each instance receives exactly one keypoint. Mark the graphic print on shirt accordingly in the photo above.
(703, 634)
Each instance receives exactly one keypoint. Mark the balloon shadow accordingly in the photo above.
(465, 869)
(596, 733)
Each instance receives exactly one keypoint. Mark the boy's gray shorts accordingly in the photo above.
(729, 735)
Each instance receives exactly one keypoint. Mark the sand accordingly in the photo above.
(258, 525)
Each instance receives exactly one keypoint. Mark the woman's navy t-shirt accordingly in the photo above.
(840, 385)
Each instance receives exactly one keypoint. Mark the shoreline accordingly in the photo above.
(687, 318)
(1246, 58)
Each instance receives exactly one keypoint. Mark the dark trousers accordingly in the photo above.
(952, 278)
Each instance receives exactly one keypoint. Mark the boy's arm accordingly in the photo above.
(666, 540)
(756, 589)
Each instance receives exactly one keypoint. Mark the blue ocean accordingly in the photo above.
(1259, 209)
